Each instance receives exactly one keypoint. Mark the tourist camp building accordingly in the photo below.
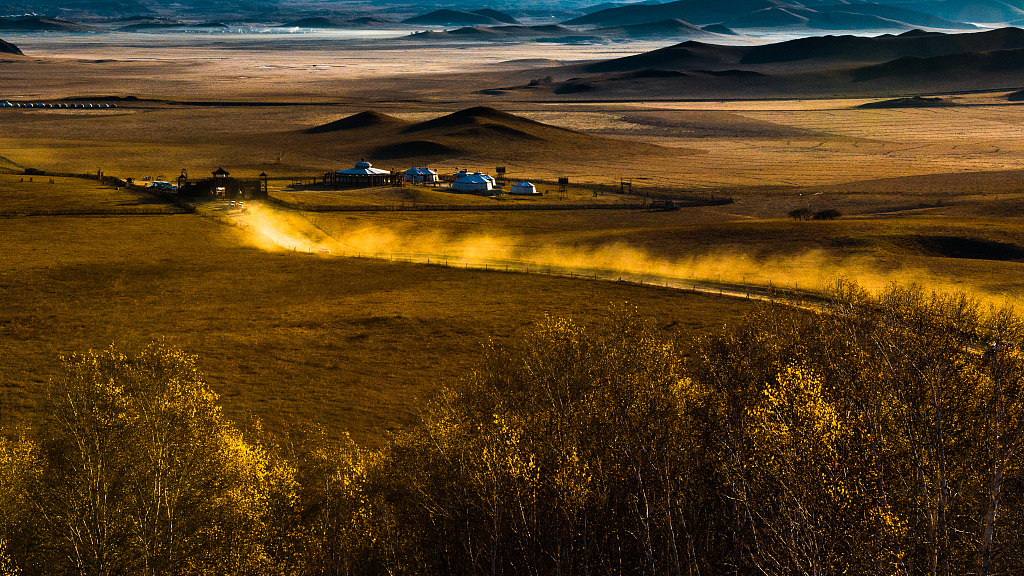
(362, 174)
(523, 189)
(222, 184)
(478, 182)
(420, 175)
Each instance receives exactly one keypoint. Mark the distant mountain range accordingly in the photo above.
(823, 15)
(484, 17)
(914, 62)
(646, 18)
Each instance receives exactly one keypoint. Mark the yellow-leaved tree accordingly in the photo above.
(143, 475)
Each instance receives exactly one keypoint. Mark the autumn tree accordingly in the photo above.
(141, 474)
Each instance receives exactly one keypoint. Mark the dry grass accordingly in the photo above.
(27, 194)
(352, 343)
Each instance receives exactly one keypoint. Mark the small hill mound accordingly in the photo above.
(551, 29)
(968, 63)
(718, 29)
(686, 56)
(317, 23)
(654, 73)
(499, 16)
(915, 102)
(414, 149)
(452, 18)
(44, 25)
(8, 48)
(481, 116)
(669, 27)
(365, 119)
(1016, 96)
(368, 21)
(478, 31)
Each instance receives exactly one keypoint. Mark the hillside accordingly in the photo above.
(452, 18)
(8, 48)
(474, 133)
(43, 25)
(318, 22)
(790, 14)
(817, 52)
(499, 16)
(368, 119)
(850, 66)
(671, 28)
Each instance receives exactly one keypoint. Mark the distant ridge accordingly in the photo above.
(8, 48)
(499, 16)
(318, 22)
(914, 102)
(833, 15)
(369, 118)
(912, 17)
(968, 62)
(1017, 96)
(885, 47)
(452, 17)
(670, 27)
(44, 25)
(773, 17)
(365, 20)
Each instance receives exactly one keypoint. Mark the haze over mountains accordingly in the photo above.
(809, 15)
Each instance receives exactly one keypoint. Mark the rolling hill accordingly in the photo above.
(8, 48)
(473, 133)
(822, 66)
(671, 28)
(826, 15)
(453, 18)
(43, 25)
(368, 119)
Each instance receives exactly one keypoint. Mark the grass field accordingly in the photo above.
(351, 343)
(933, 196)
(27, 194)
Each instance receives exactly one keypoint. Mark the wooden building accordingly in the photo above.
(221, 184)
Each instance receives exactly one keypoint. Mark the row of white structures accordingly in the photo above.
(466, 181)
(8, 104)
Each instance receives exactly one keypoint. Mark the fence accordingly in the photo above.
(493, 207)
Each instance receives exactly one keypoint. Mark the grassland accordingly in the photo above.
(351, 343)
(934, 196)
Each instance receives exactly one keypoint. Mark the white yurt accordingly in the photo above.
(523, 188)
(362, 174)
(420, 175)
(476, 182)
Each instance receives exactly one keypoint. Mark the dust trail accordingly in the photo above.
(276, 229)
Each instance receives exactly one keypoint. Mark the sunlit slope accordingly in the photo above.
(481, 132)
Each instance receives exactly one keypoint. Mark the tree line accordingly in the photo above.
(877, 434)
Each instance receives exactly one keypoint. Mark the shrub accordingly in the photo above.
(800, 214)
(830, 214)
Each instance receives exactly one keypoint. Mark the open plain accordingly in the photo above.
(289, 326)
